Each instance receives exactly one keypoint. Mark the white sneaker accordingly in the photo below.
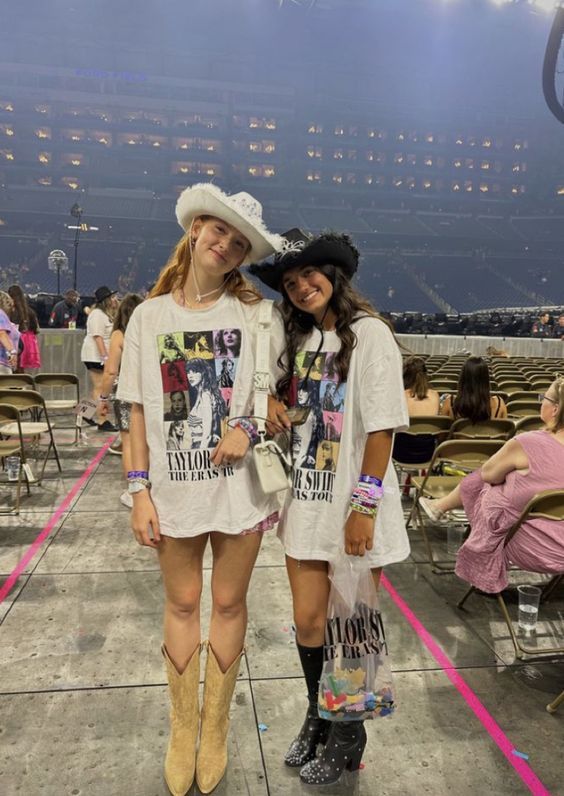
(126, 499)
(431, 510)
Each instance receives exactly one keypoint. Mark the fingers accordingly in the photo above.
(230, 449)
(357, 547)
(146, 529)
(277, 416)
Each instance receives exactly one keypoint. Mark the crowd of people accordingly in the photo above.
(179, 369)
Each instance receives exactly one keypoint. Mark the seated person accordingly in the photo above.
(473, 400)
(494, 496)
(421, 399)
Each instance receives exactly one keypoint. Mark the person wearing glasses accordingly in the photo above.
(494, 497)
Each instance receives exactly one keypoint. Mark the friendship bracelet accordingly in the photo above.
(361, 500)
(137, 474)
(103, 397)
(144, 481)
(362, 510)
(248, 427)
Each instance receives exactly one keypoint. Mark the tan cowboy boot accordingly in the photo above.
(214, 723)
(180, 762)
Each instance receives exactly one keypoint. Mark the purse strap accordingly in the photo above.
(261, 377)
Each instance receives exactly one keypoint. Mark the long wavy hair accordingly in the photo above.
(107, 306)
(207, 384)
(22, 314)
(347, 304)
(473, 398)
(125, 311)
(175, 273)
(415, 377)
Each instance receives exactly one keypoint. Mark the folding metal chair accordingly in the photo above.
(515, 385)
(30, 401)
(16, 381)
(496, 428)
(13, 446)
(463, 454)
(554, 705)
(443, 385)
(528, 423)
(548, 505)
(413, 449)
(523, 408)
(62, 384)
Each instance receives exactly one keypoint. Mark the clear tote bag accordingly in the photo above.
(356, 682)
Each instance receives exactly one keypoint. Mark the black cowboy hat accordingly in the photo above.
(103, 292)
(299, 249)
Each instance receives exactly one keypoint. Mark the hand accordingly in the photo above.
(103, 408)
(144, 517)
(359, 534)
(13, 360)
(232, 448)
(277, 416)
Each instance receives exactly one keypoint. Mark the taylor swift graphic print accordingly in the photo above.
(316, 443)
(198, 371)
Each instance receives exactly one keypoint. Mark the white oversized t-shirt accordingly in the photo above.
(191, 371)
(98, 325)
(329, 447)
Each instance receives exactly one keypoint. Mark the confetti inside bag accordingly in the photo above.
(356, 682)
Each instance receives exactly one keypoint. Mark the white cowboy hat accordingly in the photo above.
(241, 210)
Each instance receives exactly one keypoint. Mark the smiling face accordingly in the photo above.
(308, 290)
(219, 246)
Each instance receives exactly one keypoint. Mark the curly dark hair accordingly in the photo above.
(347, 304)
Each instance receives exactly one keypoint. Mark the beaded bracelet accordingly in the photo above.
(249, 429)
(366, 498)
(131, 474)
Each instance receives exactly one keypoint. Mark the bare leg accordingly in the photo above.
(376, 573)
(95, 377)
(233, 561)
(449, 502)
(181, 565)
(309, 582)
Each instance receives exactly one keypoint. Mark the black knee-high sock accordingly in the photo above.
(312, 663)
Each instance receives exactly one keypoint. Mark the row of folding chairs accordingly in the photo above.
(24, 416)
(61, 391)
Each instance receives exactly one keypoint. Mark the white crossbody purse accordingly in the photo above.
(273, 467)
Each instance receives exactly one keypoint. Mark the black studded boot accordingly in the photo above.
(343, 750)
(314, 729)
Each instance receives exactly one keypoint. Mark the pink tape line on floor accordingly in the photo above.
(53, 519)
(489, 723)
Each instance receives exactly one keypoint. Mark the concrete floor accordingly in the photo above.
(83, 703)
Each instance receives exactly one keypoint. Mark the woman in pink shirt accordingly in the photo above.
(494, 497)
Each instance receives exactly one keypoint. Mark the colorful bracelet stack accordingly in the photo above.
(248, 427)
(138, 477)
(367, 495)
